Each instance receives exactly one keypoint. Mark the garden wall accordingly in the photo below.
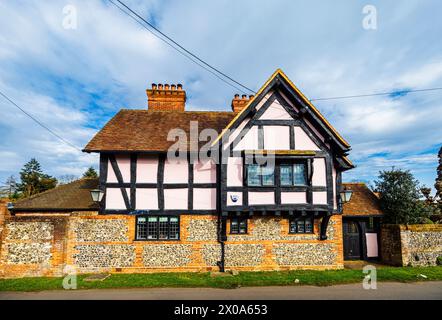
(47, 245)
(413, 245)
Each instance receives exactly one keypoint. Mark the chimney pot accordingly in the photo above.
(251, 96)
(164, 97)
(239, 103)
(179, 86)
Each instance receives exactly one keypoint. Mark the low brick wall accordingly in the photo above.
(413, 245)
(46, 245)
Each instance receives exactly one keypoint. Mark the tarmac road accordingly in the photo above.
(384, 291)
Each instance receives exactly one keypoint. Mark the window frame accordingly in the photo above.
(261, 180)
(304, 219)
(239, 220)
(291, 164)
(137, 225)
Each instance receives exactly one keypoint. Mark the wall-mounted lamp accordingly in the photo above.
(346, 195)
(97, 195)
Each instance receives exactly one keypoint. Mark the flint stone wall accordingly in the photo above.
(28, 243)
(301, 254)
(104, 256)
(211, 254)
(266, 228)
(167, 255)
(39, 231)
(43, 246)
(202, 230)
(29, 253)
(101, 230)
(413, 245)
(244, 255)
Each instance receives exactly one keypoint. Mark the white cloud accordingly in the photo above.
(74, 80)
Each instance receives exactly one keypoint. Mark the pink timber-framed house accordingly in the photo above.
(299, 189)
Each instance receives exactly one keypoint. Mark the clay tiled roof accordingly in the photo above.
(363, 201)
(142, 130)
(74, 196)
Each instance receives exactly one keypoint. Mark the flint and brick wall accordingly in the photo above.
(45, 246)
(413, 245)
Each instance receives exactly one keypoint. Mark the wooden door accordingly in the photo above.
(352, 241)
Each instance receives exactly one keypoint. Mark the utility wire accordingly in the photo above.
(39, 122)
(168, 40)
(377, 94)
(221, 75)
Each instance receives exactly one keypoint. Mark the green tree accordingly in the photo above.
(90, 173)
(400, 198)
(33, 180)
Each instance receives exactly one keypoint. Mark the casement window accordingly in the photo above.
(293, 174)
(301, 225)
(238, 226)
(157, 228)
(258, 175)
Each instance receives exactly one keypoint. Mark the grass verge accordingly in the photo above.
(204, 280)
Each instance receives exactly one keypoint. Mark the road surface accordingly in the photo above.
(384, 291)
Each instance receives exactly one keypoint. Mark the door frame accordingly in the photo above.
(361, 222)
(362, 248)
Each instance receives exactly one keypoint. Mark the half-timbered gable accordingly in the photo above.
(281, 156)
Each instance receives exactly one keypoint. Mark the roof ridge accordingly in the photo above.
(64, 185)
(172, 111)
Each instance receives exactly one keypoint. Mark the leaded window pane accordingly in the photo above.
(300, 226)
(292, 226)
(268, 176)
(152, 228)
(141, 228)
(243, 226)
(253, 175)
(286, 175)
(234, 228)
(163, 228)
(308, 226)
(174, 228)
(299, 174)
(238, 226)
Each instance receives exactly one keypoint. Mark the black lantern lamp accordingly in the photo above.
(346, 195)
(97, 195)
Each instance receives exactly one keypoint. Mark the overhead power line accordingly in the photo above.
(398, 92)
(182, 50)
(39, 122)
(221, 75)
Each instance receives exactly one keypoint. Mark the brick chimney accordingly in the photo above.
(239, 103)
(166, 98)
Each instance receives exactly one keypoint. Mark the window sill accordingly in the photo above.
(302, 234)
(157, 240)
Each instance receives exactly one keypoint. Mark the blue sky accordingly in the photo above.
(76, 80)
